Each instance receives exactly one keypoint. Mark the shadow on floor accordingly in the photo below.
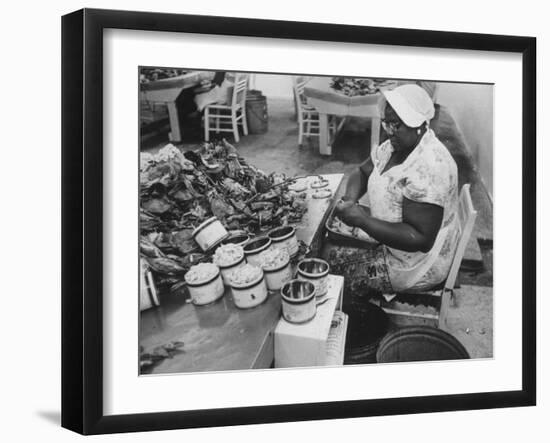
(53, 417)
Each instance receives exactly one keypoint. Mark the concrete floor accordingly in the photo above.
(471, 319)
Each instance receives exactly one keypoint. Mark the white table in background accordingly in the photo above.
(327, 102)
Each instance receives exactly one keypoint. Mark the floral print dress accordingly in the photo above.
(428, 175)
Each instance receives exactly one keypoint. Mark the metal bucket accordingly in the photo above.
(420, 343)
(256, 112)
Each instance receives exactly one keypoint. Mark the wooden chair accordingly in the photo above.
(308, 117)
(466, 219)
(227, 118)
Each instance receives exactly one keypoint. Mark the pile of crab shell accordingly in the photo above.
(180, 190)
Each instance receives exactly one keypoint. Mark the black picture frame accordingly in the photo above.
(82, 218)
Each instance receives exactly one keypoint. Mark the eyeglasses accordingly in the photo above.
(391, 127)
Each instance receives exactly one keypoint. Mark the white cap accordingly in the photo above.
(412, 104)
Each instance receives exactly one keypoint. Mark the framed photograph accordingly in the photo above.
(270, 221)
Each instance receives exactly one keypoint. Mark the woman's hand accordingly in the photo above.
(353, 215)
(342, 205)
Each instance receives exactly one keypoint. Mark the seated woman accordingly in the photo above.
(191, 102)
(217, 92)
(411, 184)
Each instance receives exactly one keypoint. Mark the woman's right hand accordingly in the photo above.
(354, 215)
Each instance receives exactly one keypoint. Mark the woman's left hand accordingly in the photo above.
(353, 215)
(342, 205)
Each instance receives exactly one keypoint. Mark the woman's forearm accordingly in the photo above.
(400, 236)
(356, 186)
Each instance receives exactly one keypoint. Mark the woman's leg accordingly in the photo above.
(364, 270)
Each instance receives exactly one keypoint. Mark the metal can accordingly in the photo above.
(285, 237)
(315, 271)
(298, 301)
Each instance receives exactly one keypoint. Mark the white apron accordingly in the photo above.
(385, 195)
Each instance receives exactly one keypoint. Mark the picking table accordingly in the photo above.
(327, 102)
(167, 91)
(220, 336)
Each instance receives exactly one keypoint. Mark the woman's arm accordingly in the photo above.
(357, 181)
(219, 77)
(416, 233)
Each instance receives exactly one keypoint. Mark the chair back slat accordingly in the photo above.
(299, 86)
(239, 90)
(466, 218)
(462, 214)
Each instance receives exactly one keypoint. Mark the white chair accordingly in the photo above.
(227, 118)
(308, 117)
(466, 219)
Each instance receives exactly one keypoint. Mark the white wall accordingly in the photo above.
(472, 108)
(30, 382)
(273, 85)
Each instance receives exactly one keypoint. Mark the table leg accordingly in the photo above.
(375, 132)
(324, 142)
(175, 130)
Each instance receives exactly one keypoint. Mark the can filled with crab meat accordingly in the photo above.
(205, 283)
(209, 233)
(237, 238)
(315, 271)
(285, 237)
(276, 265)
(228, 258)
(254, 248)
(298, 301)
(248, 286)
